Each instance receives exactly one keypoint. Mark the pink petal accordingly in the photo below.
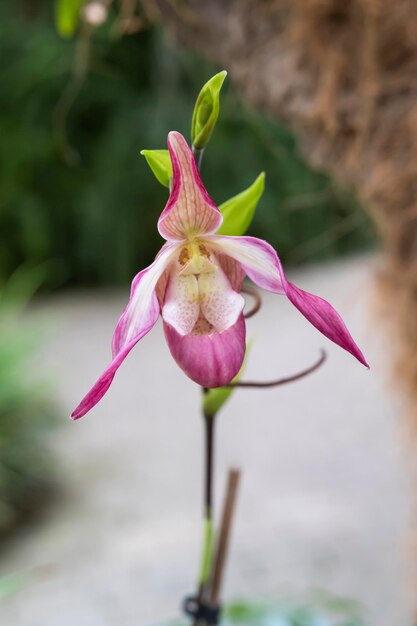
(137, 320)
(103, 383)
(142, 299)
(233, 270)
(211, 360)
(262, 265)
(190, 211)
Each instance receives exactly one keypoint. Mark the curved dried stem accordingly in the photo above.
(281, 381)
(257, 301)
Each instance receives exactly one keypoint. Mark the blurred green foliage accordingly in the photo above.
(25, 414)
(73, 187)
(313, 612)
(66, 16)
(319, 609)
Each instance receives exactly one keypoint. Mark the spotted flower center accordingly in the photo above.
(199, 299)
(194, 258)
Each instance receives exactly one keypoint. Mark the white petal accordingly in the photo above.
(256, 257)
(220, 304)
(181, 302)
(142, 299)
(262, 265)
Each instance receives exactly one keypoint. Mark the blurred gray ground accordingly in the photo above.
(324, 499)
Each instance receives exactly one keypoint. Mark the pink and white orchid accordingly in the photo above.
(195, 283)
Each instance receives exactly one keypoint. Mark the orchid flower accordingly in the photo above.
(195, 283)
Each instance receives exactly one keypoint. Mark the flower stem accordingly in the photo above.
(251, 291)
(209, 444)
(207, 548)
(206, 553)
(255, 384)
(198, 155)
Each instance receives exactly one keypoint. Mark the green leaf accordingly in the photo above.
(206, 111)
(67, 13)
(160, 163)
(239, 210)
(214, 399)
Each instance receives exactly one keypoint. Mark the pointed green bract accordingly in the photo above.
(160, 163)
(206, 111)
(214, 399)
(67, 14)
(239, 210)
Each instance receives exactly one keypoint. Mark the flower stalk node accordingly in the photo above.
(201, 612)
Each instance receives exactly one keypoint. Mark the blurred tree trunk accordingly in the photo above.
(343, 75)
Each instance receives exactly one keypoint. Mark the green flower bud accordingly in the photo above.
(238, 212)
(160, 163)
(206, 111)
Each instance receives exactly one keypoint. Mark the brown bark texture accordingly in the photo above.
(343, 75)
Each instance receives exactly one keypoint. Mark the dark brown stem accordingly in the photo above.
(224, 536)
(254, 293)
(280, 381)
